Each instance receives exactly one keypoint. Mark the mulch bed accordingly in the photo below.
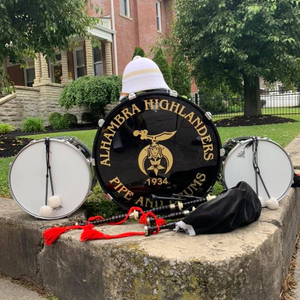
(10, 144)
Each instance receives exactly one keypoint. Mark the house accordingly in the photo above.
(124, 25)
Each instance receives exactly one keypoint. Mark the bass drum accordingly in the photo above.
(72, 176)
(156, 143)
(270, 160)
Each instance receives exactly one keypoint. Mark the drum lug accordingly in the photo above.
(173, 93)
(101, 122)
(208, 115)
(132, 96)
(92, 162)
(222, 152)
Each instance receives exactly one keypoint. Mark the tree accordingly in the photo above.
(38, 26)
(160, 59)
(235, 42)
(138, 51)
(181, 75)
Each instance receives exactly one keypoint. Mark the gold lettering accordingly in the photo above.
(148, 104)
(197, 182)
(181, 110)
(135, 109)
(198, 121)
(109, 136)
(105, 162)
(202, 130)
(174, 107)
(121, 188)
(119, 119)
(112, 127)
(190, 116)
(126, 113)
(139, 202)
(164, 104)
(105, 145)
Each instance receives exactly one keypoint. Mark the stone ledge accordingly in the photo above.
(248, 263)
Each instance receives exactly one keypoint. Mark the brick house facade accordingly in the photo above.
(123, 25)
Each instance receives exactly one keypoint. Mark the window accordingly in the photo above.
(29, 73)
(56, 69)
(125, 8)
(79, 62)
(158, 15)
(98, 64)
(29, 76)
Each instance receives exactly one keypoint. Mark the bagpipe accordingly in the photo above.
(156, 154)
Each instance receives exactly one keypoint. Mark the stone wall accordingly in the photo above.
(37, 101)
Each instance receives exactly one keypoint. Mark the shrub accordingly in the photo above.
(54, 117)
(58, 121)
(138, 51)
(33, 124)
(93, 91)
(70, 119)
(89, 117)
(5, 128)
(161, 60)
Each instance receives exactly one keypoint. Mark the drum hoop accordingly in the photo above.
(62, 142)
(264, 139)
(145, 94)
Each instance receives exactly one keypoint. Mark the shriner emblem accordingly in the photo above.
(155, 157)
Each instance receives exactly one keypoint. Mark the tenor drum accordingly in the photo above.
(156, 143)
(71, 174)
(265, 156)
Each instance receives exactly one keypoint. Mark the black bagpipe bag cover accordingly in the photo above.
(233, 208)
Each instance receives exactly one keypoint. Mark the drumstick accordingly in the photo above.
(272, 202)
(53, 201)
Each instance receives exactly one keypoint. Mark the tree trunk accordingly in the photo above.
(252, 106)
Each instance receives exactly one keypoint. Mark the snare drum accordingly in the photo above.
(156, 143)
(273, 162)
(71, 173)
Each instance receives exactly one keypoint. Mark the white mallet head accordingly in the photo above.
(272, 203)
(54, 201)
(45, 211)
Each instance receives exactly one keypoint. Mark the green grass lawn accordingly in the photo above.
(282, 134)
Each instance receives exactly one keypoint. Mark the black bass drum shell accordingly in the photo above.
(156, 144)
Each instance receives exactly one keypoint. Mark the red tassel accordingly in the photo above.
(158, 221)
(92, 234)
(52, 234)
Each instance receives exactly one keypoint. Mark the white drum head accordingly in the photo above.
(71, 177)
(275, 167)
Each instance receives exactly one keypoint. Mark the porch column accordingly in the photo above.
(37, 69)
(108, 60)
(44, 70)
(64, 67)
(89, 57)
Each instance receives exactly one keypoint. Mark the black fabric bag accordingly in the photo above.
(234, 208)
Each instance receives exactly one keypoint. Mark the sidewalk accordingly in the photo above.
(14, 291)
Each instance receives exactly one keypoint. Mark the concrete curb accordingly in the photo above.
(248, 263)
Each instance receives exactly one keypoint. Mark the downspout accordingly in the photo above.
(114, 36)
